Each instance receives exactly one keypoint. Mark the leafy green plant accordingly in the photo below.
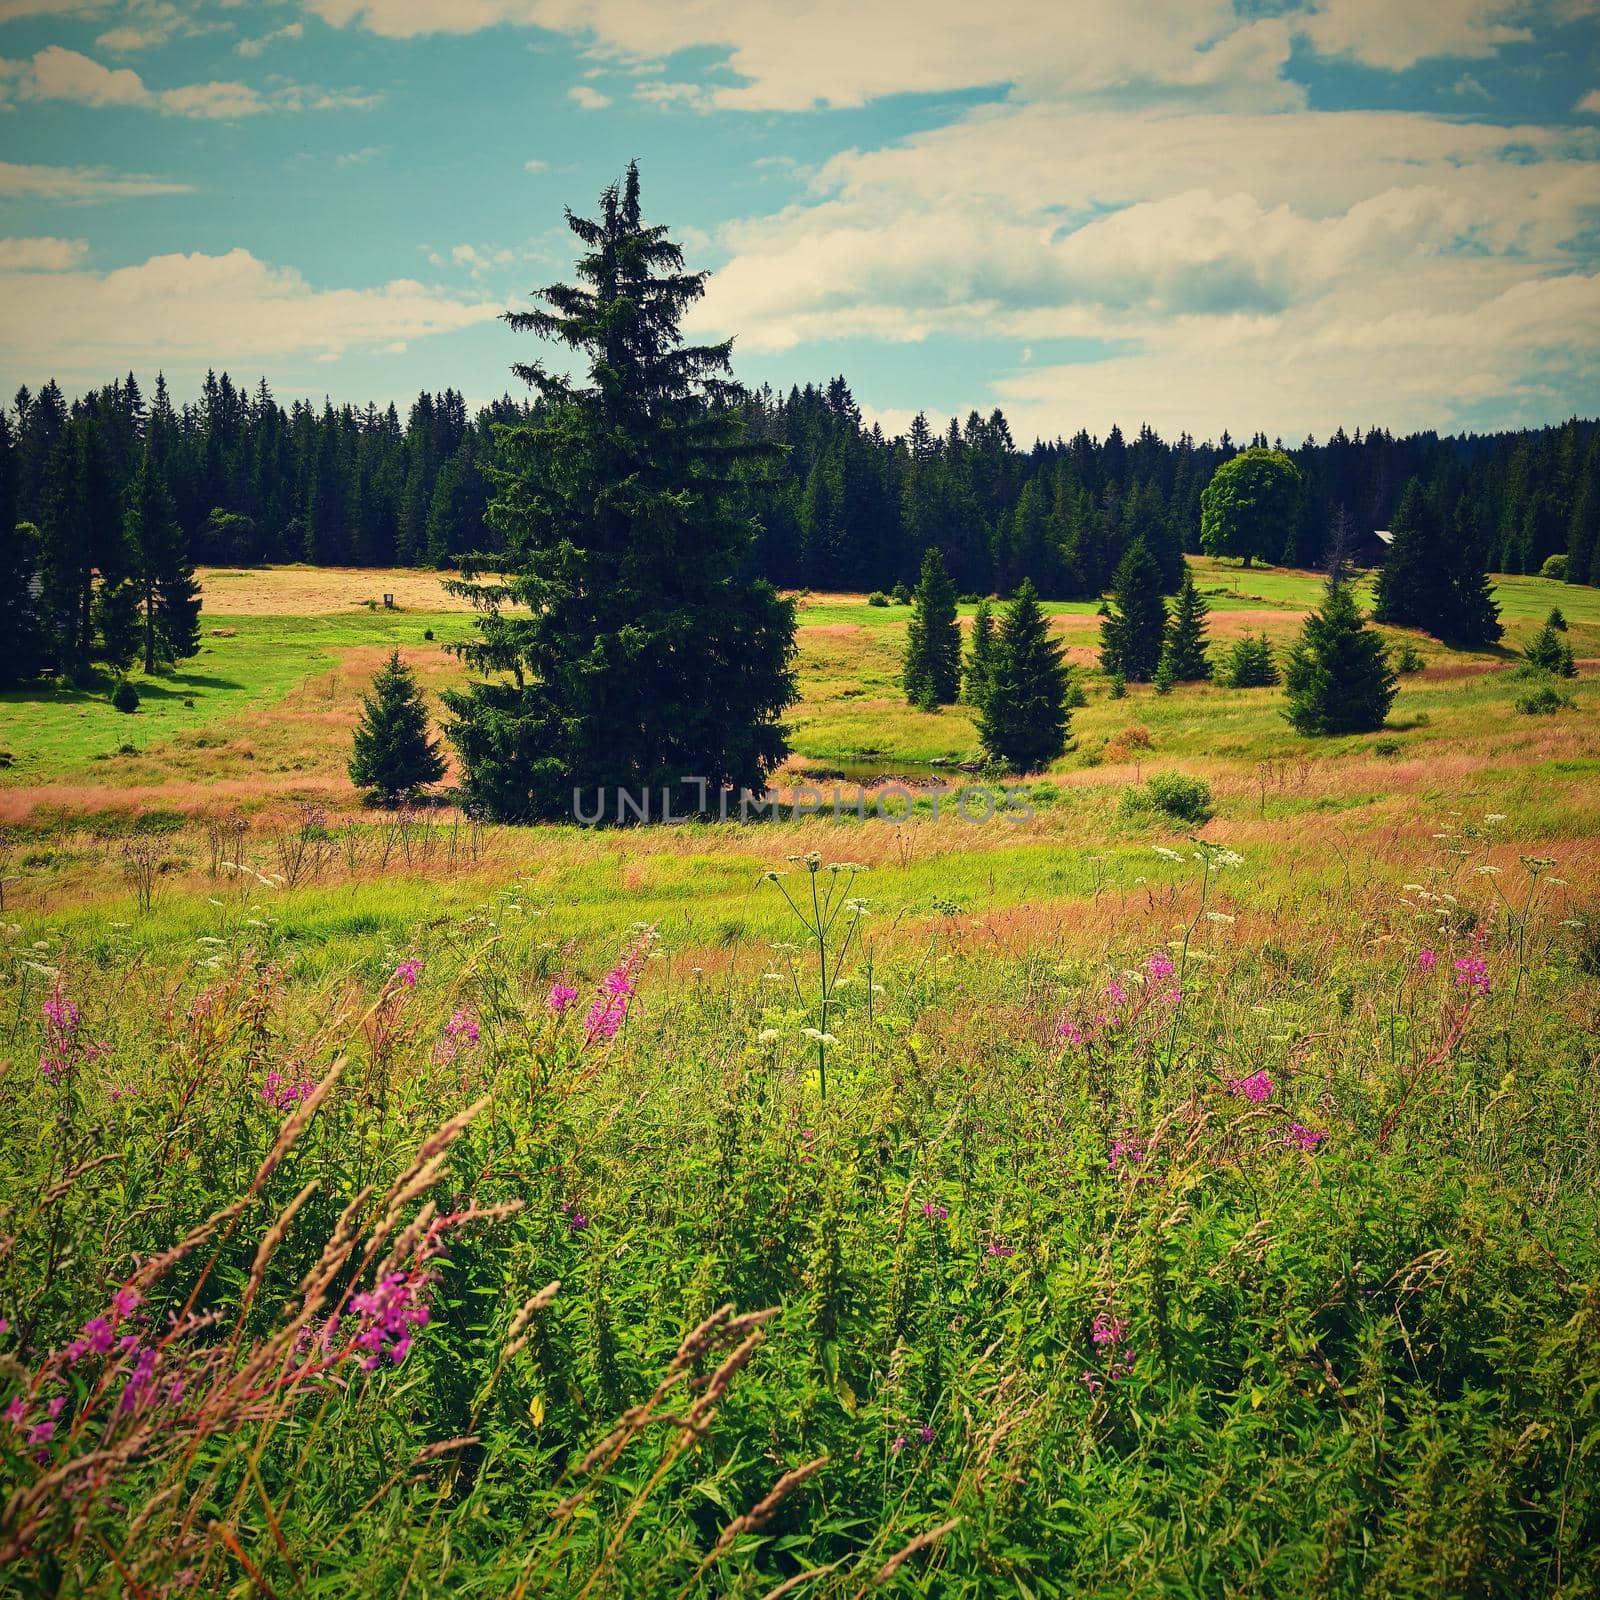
(1173, 795)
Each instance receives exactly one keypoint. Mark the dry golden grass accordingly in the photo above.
(319, 591)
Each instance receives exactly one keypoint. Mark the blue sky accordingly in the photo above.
(1204, 215)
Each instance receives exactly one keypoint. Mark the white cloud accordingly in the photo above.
(80, 183)
(41, 255)
(15, 10)
(1231, 264)
(355, 158)
(150, 23)
(535, 165)
(56, 73)
(587, 99)
(1379, 33)
(255, 47)
(1590, 103)
(205, 309)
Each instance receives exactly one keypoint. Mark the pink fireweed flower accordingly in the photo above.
(1125, 1153)
(1257, 1088)
(1106, 1329)
(561, 997)
(1303, 1138)
(124, 1302)
(408, 972)
(1426, 961)
(280, 1093)
(462, 1026)
(1115, 993)
(1159, 966)
(391, 1312)
(998, 1247)
(141, 1381)
(1069, 1031)
(62, 1051)
(933, 1210)
(16, 1411)
(1472, 974)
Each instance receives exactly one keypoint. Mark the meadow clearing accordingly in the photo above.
(1096, 1204)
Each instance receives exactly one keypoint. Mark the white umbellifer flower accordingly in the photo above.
(1218, 916)
(1495, 816)
(772, 977)
(768, 1036)
(1162, 851)
(1414, 888)
(818, 1036)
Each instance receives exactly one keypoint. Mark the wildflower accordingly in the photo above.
(142, 1379)
(62, 1051)
(391, 1312)
(1106, 1329)
(1426, 961)
(898, 1444)
(1125, 1153)
(1166, 854)
(1256, 1088)
(998, 1247)
(280, 1092)
(407, 973)
(1159, 966)
(462, 1027)
(561, 997)
(925, 1434)
(1472, 974)
(16, 1411)
(933, 1210)
(1115, 993)
(768, 1036)
(1069, 1031)
(1303, 1138)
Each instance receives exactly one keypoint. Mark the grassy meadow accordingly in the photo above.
(1085, 1203)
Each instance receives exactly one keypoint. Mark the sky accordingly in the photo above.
(1207, 215)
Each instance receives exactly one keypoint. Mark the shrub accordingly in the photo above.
(125, 697)
(969, 599)
(1386, 747)
(1554, 567)
(877, 598)
(427, 633)
(1250, 665)
(1544, 701)
(1408, 658)
(899, 594)
(1549, 652)
(1172, 795)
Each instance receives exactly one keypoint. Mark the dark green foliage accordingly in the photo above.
(1338, 675)
(116, 622)
(1556, 620)
(1549, 652)
(979, 669)
(645, 655)
(1251, 664)
(877, 598)
(1555, 567)
(1172, 795)
(1544, 701)
(125, 697)
(168, 596)
(900, 595)
(1023, 718)
(1250, 507)
(1118, 686)
(932, 674)
(1183, 651)
(1409, 592)
(394, 752)
(1407, 658)
(1133, 627)
(21, 554)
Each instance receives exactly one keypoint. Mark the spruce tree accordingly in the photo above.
(1183, 652)
(1338, 676)
(979, 671)
(1410, 591)
(1024, 720)
(1133, 627)
(1251, 665)
(169, 597)
(639, 653)
(1549, 652)
(393, 752)
(23, 654)
(933, 638)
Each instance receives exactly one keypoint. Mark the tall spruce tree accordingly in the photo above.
(978, 673)
(1024, 720)
(625, 647)
(168, 596)
(1133, 627)
(933, 638)
(1183, 651)
(1410, 587)
(1251, 665)
(1338, 678)
(1470, 619)
(393, 752)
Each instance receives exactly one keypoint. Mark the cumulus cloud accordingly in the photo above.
(41, 255)
(208, 309)
(56, 73)
(587, 99)
(1590, 103)
(1229, 264)
(80, 183)
(255, 47)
